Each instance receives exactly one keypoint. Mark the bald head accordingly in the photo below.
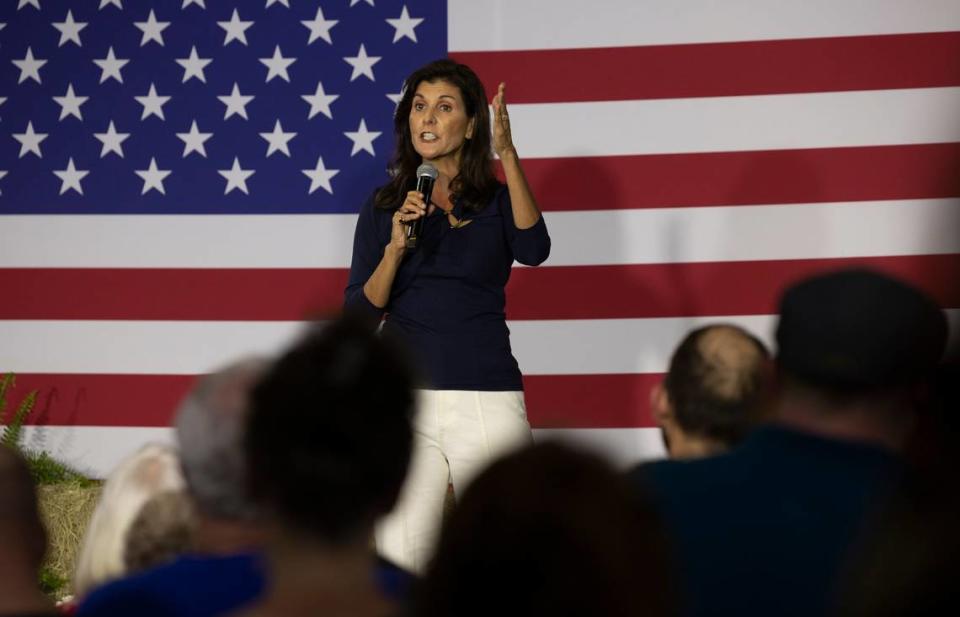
(716, 378)
(731, 360)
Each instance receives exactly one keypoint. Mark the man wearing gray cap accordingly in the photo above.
(767, 528)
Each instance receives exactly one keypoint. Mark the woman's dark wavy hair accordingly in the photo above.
(475, 185)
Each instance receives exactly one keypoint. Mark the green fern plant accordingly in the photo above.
(13, 427)
(45, 469)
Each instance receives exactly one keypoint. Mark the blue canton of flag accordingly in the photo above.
(203, 106)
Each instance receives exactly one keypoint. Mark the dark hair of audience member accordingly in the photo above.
(716, 390)
(857, 334)
(329, 438)
(548, 531)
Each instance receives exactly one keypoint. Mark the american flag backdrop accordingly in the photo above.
(179, 181)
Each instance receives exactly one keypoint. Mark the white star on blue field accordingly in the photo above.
(246, 106)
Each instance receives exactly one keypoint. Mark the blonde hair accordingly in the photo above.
(152, 469)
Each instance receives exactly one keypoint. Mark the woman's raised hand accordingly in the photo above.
(502, 138)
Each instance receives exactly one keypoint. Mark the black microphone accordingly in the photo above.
(426, 176)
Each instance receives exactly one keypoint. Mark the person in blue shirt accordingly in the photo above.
(769, 527)
(446, 297)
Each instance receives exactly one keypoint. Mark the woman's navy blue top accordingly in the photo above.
(447, 300)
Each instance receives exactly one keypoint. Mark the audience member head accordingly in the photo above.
(210, 426)
(330, 437)
(854, 348)
(151, 470)
(22, 537)
(713, 393)
(161, 532)
(548, 531)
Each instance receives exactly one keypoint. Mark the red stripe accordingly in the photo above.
(681, 290)
(925, 171)
(589, 401)
(103, 400)
(558, 292)
(721, 69)
(553, 401)
(172, 294)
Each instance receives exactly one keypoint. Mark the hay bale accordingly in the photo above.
(66, 510)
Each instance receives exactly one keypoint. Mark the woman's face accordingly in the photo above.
(438, 122)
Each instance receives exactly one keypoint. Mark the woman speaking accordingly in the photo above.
(445, 297)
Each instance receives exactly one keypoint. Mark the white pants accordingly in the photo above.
(456, 434)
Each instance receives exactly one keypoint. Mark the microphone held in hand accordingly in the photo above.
(426, 176)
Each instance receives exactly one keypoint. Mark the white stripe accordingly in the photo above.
(481, 25)
(604, 346)
(549, 347)
(193, 347)
(92, 450)
(657, 235)
(214, 241)
(746, 233)
(737, 123)
(96, 450)
(137, 347)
